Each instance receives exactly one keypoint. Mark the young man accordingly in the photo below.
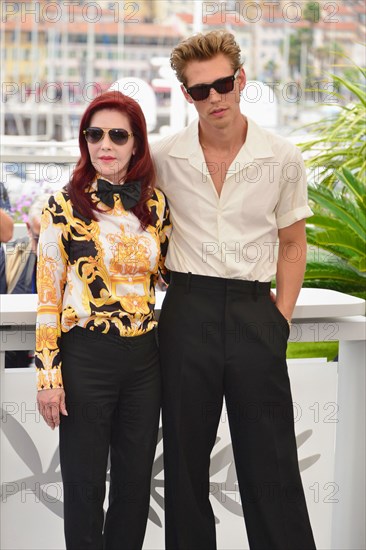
(238, 200)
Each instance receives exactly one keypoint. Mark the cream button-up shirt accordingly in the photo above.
(234, 235)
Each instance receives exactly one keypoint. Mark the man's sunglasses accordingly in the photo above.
(117, 135)
(222, 86)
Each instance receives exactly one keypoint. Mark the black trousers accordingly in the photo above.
(113, 391)
(221, 337)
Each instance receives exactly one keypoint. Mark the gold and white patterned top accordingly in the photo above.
(99, 275)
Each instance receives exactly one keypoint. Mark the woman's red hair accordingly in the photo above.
(140, 168)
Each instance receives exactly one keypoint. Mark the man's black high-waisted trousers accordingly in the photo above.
(226, 338)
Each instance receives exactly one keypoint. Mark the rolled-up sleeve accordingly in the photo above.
(293, 202)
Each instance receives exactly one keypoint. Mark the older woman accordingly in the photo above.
(103, 240)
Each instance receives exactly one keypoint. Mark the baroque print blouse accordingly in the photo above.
(99, 275)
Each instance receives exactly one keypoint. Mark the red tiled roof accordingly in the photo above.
(81, 27)
(340, 26)
(215, 19)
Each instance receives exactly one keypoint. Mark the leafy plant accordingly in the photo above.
(340, 142)
(338, 229)
(337, 163)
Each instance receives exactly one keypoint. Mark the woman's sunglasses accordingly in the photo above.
(117, 135)
(222, 86)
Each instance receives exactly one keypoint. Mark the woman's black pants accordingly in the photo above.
(113, 389)
(226, 338)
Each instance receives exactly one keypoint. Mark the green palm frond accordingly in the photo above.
(342, 209)
(340, 142)
(339, 223)
(337, 175)
(346, 247)
(356, 89)
(335, 276)
(355, 186)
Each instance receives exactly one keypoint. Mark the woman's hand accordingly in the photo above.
(50, 404)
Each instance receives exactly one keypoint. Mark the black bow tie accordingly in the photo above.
(130, 193)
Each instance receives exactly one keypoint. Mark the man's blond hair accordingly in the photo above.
(201, 47)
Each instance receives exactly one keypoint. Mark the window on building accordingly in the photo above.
(106, 39)
(77, 38)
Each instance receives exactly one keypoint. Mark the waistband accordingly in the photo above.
(107, 338)
(218, 283)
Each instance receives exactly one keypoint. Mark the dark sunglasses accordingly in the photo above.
(117, 135)
(221, 86)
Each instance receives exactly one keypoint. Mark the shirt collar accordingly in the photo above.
(257, 143)
(256, 146)
(187, 142)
